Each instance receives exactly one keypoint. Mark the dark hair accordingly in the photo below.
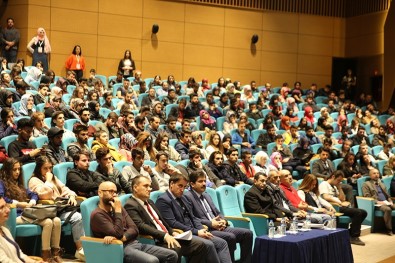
(40, 161)
(170, 119)
(22, 123)
(160, 138)
(256, 176)
(4, 114)
(185, 131)
(244, 154)
(177, 177)
(75, 47)
(55, 116)
(161, 153)
(212, 156)
(112, 115)
(106, 94)
(14, 190)
(102, 152)
(144, 108)
(230, 150)
(137, 151)
(77, 129)
(195, 175)
(77, 156)
(182, 101)
(82, 110)
(136, 180)
(336, 174)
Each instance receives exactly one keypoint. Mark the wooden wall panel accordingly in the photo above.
(64, 42)
(315, 45)
(76, 5)
(200, 72)
(205, 35)
(164, 10)
(108, 48)
(317, 26)
(277, 78)
(66, 20)
(119, 26)
(38, 17)
(150, 69)
(241, 59)
(163, 53)
(199, 14)
(169, 31)
(280, 22)
(241, 38)
(243, 19)
(279, 62)
(316, 65)
(243, 75)
(131, 8)
(279, 42)
(193, 55)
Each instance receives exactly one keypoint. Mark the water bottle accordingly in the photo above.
(271, 229)
(333, 222)
(283, 226)
(308, 221)
(294, 226)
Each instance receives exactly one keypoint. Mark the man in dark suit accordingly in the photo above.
(150, 222)
(204, 209)
(259, 201)
(178, 213)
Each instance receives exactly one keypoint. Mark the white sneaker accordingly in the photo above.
(79, 254)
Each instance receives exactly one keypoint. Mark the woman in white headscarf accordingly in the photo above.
(261, 162)
(33, 74)
(40, 47)
(26, 108)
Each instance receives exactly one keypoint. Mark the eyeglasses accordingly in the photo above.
(110, 191)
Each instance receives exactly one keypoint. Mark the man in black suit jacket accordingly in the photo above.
(178, 213)
(259, 201)
(150, 222)
(204, 208)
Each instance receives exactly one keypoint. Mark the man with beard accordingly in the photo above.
(10, 38)
(231, 172)
(53, 150)
(196, 164)
(265, 138)
(171, 129)
(111, 221)
(194, 107)
(171, 97)
(84, 120)
(81, 134)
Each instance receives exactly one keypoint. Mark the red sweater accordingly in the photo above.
(292, 195)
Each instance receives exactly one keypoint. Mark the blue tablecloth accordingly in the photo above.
(316, 246)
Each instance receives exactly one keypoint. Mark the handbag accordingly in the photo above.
(63, 207)
(40, 212)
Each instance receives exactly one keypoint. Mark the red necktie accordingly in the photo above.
(155, 218)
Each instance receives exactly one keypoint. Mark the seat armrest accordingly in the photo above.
(237, 218)
(46, 202)
(101, 240)
(178, 231)
(255, 215)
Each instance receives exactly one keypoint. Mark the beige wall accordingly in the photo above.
(389, 58)
(193, 40)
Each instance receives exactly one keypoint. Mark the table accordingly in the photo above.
(322, 246)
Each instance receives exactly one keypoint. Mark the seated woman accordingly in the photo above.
(144, 142)
(290, 114)
(230, 122)
(13, 192)
(9, 249)
(261, 162)
(374, 126)
(288, 161)
(309, 115)
(276, 162)
(26, 108)
(366, 164)
(303, 151)
(285, 123)
(368, 117)
(40, 128)
(351, 169)
(162, 144)
(94, 114)
(75, 106)
(126, 145)
(276, 113)
(78, 93)
(226, 142)
(49, 187)
(58, 121)
(197, 143)
(6, 100)
(207, 123)
(389, 168)
(321, 124)
(5, 81)
(292, 104)
(101, 140)
(214, 144)
(7, 124)
(308, 192)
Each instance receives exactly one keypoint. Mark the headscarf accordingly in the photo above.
(259, 156)
(291, 103)
(340, 119)
(127, 141)
(75, 102)
(228, 114)
(33, 74)
(23, 106)
(229, 86)
(284, 91)
(47, 48)
(4, 94)
(272, 159)
(60, 82)
(284, 124)
(310, 119)
(208, 121)
(302, 142)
